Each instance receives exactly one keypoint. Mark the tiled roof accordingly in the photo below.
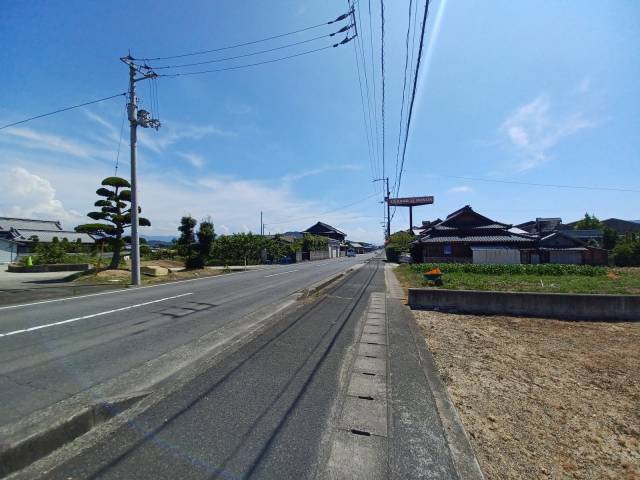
(7, 223)
(476, 239)
(23, 235)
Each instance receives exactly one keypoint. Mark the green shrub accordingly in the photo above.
(518, 269)
(627, 254)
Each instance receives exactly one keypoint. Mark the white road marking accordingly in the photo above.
(84, 317)
(134, 289)
(281, 273)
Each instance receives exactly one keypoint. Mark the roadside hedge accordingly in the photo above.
(522, 269)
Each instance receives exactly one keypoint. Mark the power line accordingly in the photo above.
(124, 112)
(404, 88)
(324, 213)
(281, 47)
(184, 74)
(383, 82)
(413, 92)
(375, 99)
(63, 110)
(372, 122)
(228, 47)
(531, 184)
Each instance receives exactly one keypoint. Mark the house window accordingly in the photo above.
(447, 250)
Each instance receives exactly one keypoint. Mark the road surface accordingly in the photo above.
(53, 350)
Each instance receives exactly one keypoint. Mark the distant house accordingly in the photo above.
(467, 236)
(561, 247)
(325, 230)
(21, 233)
(358, 247)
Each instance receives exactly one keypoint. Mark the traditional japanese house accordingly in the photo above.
(467, 236)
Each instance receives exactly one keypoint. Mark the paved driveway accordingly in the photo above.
(19, 281)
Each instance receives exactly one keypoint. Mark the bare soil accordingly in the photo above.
(543, 398)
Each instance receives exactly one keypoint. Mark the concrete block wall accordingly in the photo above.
(549, 305)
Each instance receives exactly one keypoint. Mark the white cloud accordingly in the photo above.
(172, 132)
(461, 189)
(193, 158)
(292, 177)
(532, 131)
(25, 194)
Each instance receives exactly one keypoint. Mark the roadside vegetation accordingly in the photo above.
(548, 278)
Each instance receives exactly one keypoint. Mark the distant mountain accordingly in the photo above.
(162, 238)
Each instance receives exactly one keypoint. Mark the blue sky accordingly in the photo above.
(536, 92)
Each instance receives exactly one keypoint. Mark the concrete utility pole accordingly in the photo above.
(132, 110)
(143, 119)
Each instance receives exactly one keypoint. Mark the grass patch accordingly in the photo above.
(570, 279)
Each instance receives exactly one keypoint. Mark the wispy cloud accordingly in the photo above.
(461, 189)
(173, 132)
(532, 131)
(193, 158)
(292, 177)
(33, 139)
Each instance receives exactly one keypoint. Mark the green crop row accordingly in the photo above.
(500, 269)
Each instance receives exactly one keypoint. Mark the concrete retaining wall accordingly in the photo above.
(62, 267)
(551, 305)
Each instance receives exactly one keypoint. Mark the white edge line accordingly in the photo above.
(134, 289)
(85, 317)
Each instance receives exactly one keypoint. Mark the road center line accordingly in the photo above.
(281, 273)
(84, 317)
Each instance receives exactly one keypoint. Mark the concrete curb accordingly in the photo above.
(464, 458)
(462, 453)
(23, 452)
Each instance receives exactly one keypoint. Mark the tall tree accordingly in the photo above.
(206, 236)
(187, 235)
(589, 222)
(115, 208)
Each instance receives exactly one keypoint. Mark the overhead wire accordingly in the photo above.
(259, 52)
(533, 184)
(375, 99)
(413, 92)
(124, 115)
(237, 45)
(371, 105)
(325, 213)
(236, 67)
(62, 110)
(383, 83)
(404, 89)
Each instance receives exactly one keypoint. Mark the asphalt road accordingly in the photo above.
(259, 413)
(52, 350)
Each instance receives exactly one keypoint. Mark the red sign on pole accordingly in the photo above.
(410, 201)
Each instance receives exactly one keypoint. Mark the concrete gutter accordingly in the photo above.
(462, 455)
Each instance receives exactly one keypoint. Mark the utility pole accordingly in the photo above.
(132, 110)
(136, 117)
(386, 199)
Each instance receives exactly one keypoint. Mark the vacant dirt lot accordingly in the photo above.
(543, 398)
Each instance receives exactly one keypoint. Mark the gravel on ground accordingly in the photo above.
(543, 398)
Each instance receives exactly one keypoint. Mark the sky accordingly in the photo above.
(532, 91)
